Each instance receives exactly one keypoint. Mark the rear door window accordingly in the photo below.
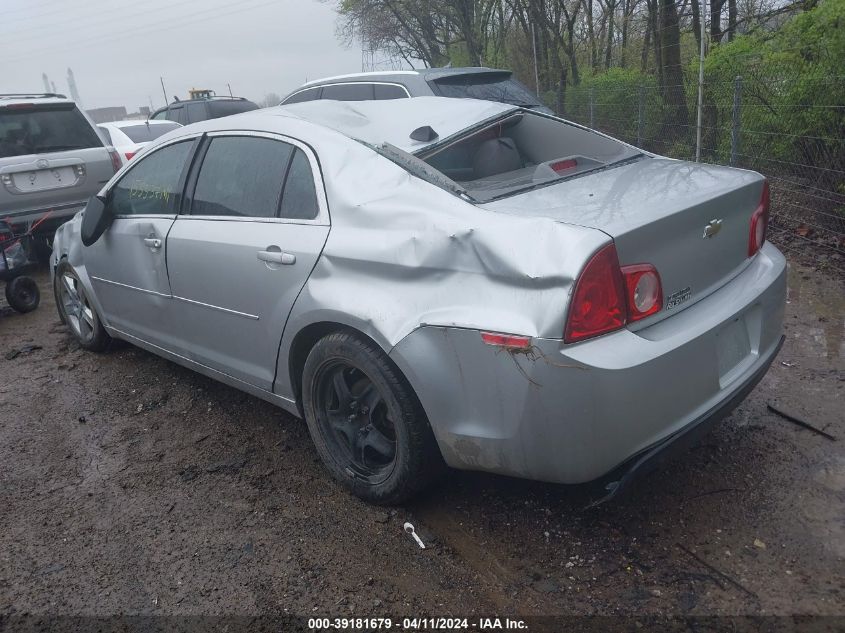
(348, 92)
(39, 129)
(195, 112)
(152, 185)
(241, 176)
(310, 94)
(388, 91)
(299, 201)
(177, 113)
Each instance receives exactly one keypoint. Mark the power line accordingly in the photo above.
(109, 20)
(170, 24)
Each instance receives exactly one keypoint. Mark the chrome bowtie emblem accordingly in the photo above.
(713, 227)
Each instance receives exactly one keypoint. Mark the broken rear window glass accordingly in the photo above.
(522, 151)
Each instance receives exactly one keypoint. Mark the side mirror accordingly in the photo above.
(95, 220)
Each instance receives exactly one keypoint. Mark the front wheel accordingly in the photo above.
(76, 310)
(22, 294)
(366, 422)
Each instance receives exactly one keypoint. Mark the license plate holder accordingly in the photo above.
(44, 179)
(733, 346)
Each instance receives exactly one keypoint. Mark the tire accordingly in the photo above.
(76, 311)
(22, 294)
(366, 422)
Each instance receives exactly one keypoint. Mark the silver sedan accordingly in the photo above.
(434, 282)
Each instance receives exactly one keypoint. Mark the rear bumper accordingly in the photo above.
(651, 458)
(574, 413)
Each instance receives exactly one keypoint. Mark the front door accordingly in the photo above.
(256, 225)
(127, 264)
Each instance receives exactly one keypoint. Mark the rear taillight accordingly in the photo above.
(608, 296)
(644, 292)
(115, 159)
(129, 155)
(598, 304)
(759, 222)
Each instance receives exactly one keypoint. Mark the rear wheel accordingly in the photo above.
(76, 310)
(366, 422)
(22, 294)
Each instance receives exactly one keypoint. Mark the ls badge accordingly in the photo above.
(713, 227)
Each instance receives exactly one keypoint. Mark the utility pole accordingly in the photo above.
(163, 91)
(700, 84)
(536, 72)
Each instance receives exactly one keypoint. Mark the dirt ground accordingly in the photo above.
(129, 485)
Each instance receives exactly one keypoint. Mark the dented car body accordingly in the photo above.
(552, 298)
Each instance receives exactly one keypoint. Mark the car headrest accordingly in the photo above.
(496, 156)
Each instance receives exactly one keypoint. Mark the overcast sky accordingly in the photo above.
(119, 48)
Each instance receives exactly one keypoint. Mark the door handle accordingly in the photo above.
(277, 257)
(152, 242)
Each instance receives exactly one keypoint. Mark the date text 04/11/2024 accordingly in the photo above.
(416, 624)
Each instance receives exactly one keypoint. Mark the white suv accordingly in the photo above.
(51, 160)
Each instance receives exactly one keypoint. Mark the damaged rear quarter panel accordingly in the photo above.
(403, 253)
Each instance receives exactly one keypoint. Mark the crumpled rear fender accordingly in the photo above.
(403, 253)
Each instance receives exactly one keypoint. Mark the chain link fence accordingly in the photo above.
(790, 128)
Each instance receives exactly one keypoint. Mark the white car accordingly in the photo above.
(130, 137)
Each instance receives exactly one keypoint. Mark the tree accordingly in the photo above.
(270, 99)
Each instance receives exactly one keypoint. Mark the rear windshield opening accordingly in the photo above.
(37, 130)
(522, 151)
(142, 133)
(488, 86)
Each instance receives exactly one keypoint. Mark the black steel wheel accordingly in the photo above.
(366, 422)
(355, 416)
(76, 310)
(22, 294)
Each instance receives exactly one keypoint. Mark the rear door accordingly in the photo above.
(127, 264)
(51, 158)
(255, 225)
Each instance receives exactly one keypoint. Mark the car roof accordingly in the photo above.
(205, 100)
(15, 99)
(373, 122)
(426, 73)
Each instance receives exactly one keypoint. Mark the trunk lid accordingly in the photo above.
(691, 221)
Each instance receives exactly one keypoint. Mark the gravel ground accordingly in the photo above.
(129, 485)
